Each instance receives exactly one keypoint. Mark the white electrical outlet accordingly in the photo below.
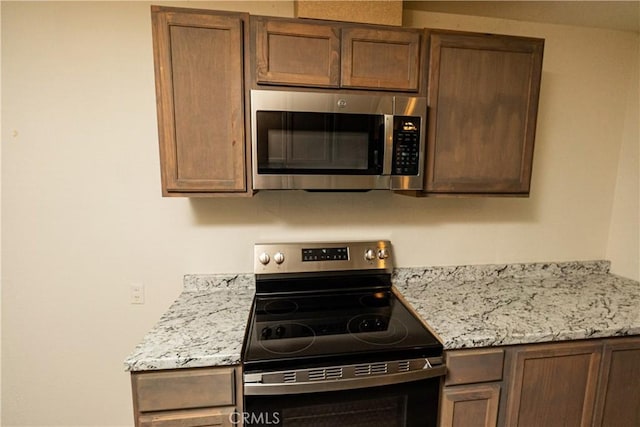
(137, 293)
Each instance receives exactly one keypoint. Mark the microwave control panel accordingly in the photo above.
(406, 145)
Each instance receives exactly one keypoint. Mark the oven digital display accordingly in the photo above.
(325, 254)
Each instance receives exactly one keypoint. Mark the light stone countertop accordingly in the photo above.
(467, 306)
(203, 327)
(495, 305)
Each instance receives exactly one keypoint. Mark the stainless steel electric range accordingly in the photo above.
(330, 343)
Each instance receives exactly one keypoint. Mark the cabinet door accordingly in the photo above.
(618, 402)
(199, 88)
(553, 385)
(380, 59)
(474, 405)
(483, 95)
(295, 53)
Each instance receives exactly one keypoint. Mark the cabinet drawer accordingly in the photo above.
(474, 366)
(189, 418)
(184, 389)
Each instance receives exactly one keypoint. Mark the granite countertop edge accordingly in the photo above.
(491, 305)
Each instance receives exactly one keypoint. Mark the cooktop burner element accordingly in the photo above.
(296, 337)
(329, 303)
(280, 307)
(385, 331)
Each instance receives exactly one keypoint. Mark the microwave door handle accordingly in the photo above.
(262, 389)
(388, 144)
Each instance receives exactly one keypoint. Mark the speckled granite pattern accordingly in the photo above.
(467, 306)
(216, 282)
(466, 273)
(478, 306)
(204, 326)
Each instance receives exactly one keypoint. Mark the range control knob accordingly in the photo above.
(264, 258)
(369, 254)
(280, 330)
(383, 253)
(278, 257)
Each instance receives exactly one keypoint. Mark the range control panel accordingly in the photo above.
(325, 254)
(310, 257)
(406, 145)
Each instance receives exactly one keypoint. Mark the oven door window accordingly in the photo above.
(409, 404)
(319, 143)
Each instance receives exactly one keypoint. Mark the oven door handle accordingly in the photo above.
(262, 389)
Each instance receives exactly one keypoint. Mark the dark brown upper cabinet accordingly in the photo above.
(199, 76)
(483, 98)
(380, 59)
(299, 54)
(482, 93)
(336, 55)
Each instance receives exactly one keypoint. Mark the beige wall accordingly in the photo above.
(82, 216)
(624, 234)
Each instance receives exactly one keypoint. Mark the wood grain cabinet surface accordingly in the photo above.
(336, 55)
(483, 98)
(199, 74)
(471, 405)
(187, 397)
(472, 388)
(296, 53)
(553, 385)
(380, 59)
(618, 400)
(584, 383)
(471, 395)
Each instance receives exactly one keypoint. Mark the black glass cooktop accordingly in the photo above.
(338, 327)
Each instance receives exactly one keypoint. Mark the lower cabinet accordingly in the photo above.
(471, 393)
(553, 384)
(618, 400)
(587, 383)
(187, 397)
(474, 405)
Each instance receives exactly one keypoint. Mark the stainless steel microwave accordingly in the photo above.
(328, 141)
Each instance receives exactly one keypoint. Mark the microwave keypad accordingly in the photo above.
(405, 153)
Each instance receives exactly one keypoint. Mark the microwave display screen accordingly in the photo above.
(312, 143)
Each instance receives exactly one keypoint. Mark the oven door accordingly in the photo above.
(320, 141)
(385, 403)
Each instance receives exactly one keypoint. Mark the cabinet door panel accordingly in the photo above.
(192, 418)
(199, 86)
(474, 366)
(380, 59)
(553, 385)
(182, 389)
(618, 402)
(483, 94)
(296, 53)
(470, 406)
